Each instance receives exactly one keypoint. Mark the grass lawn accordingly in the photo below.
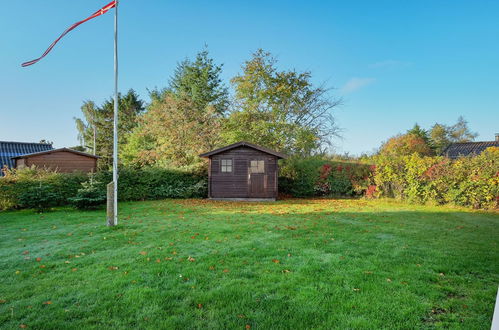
(292, 264)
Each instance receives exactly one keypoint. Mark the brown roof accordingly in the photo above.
(243, 144)
(56, 150)
(456, 150)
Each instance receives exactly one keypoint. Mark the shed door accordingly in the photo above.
(257, 178)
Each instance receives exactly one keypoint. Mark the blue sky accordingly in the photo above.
(394, 62)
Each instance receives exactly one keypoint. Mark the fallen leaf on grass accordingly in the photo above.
(143, 253)
(113, 268)
(23, 326)
(74, 269)
(225, 270)
(275, 261)
(47, 303)
(3, 301)
(26, 252)
(38, 259)
(248, 326)
(42, 266)
(200, 306)
(191, 259)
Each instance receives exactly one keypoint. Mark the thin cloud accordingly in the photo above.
(354, 84)
(389, 64)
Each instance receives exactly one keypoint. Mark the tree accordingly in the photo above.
(96, 128)
(184, 119)
(442, 135)
(420, 132)
(281, 110)
(87, 127)
(172, 134)
(406, 144)
(200, 82)
(459, 132)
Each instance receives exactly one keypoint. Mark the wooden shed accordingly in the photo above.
(61, 160)
(243, 171)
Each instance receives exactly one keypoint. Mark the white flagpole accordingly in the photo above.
(115, 121)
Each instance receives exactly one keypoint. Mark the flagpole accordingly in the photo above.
(115, 121)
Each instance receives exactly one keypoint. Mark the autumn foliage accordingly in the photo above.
(315, 176)
(404, 145)
(468, 181)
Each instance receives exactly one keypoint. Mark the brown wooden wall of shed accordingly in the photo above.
(236, 184)
(61, 161)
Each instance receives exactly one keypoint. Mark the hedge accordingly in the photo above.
(315, 176)
(40, 189)
(468, 181)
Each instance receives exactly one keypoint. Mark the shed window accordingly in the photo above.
(226, 165)
(257, 166)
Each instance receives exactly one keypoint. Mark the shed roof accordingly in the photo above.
(243, 144)
(54, 151)
(456, 150)
(10, 149)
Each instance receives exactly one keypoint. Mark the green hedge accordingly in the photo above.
(467, 181)
(27, 187)
(315, 176)
(48, 189)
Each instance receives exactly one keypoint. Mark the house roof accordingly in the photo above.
(243, 144)
(456, 150)
(53, 151)
(9, 149)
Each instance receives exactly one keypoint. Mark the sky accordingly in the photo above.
(394, 63)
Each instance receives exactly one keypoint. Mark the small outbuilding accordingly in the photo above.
(243, 171)
(10, 149)
(62, 160)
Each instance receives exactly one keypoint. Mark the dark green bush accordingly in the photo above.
(17, 183)
(156, 183)
(39, 197)
(90, 196)
(64, 189)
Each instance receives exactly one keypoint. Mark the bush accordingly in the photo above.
(40, 198)
(66, 188)
(17, 185)
(156, 183)
(316, 176)
(90, 196)
(467, 181)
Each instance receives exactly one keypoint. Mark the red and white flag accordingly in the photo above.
(99, 12)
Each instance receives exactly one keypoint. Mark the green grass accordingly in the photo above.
(293, 264)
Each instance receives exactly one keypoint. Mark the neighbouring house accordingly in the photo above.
(62, 160)
(10, 149)
(456, 150)
(243, 171)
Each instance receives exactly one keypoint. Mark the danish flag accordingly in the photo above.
(99, 12)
